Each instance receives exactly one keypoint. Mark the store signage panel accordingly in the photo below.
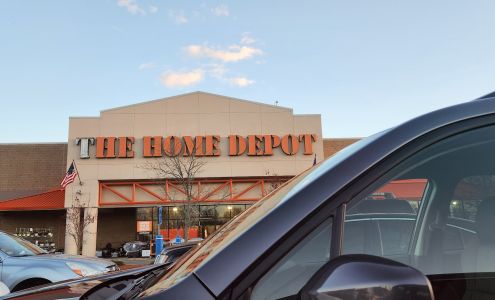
(144, 226)
(208, 145)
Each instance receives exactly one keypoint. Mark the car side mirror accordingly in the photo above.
(359, 276)
(4, 290)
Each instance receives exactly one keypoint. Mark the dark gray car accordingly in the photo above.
(172, 253)
(299, 242)
(24, 265)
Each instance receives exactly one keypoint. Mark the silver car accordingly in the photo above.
(24, 265)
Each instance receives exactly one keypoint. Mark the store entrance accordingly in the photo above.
(207, 230)
(208, 226)
(204, 219)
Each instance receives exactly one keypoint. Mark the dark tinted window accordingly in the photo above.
(468, 195)
(382, 222)
(448, 225)
(395, 235)
(290, 274)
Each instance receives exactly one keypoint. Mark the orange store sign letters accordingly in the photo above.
(208, 145)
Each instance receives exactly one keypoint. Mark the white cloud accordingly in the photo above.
(146, 65)
(241, 81)
(247, 39)
(233, 54)
(216, 68)
(217, 71)
(182, 78)
(178, 17)
(131, 7)
(153, 9)
(220, 72)
(221, 11)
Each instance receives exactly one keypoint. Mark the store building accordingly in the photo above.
(243, 145)
(246, 149)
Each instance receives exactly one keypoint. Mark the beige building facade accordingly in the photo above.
(245, 146)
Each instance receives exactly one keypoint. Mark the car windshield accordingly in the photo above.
(17, 247)
(234, 228)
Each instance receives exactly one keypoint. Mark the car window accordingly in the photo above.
(17, 247)
(469, 194)
(290, 274)
(463, 210)
(434, 211)
(382, 223)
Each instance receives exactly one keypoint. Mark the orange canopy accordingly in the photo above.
(53, 199)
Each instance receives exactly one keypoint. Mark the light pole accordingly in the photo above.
(168, 222)
(175, 209)
(230, 211)
(159, 236)
(160, 218)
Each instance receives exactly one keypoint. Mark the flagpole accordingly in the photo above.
(78, 177)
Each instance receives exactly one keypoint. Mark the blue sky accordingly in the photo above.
(364, 65)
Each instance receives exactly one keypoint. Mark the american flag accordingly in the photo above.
(70, 175)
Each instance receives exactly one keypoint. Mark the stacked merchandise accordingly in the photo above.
(42, 237)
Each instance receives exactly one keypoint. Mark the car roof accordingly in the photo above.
(242, 252)
(487, 96)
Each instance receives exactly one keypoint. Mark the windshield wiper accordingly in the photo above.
(131, 291)
(134, 282)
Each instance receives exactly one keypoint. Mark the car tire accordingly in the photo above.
(29, 283)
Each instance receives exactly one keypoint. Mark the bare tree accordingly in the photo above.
(78, 222)
(275, 182)
(182, 170)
